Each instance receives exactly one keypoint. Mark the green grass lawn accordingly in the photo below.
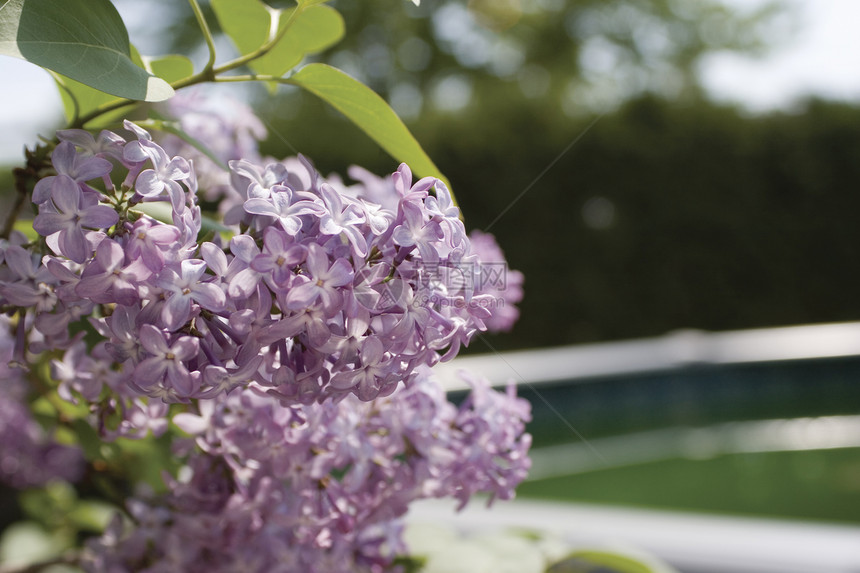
(808, 484)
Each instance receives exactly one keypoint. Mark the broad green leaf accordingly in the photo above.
(26, 542)
(80, 99)
(246, 22)
(92, 515)
(249, 23)
(84, 40)
(26, 227)
(314, 29)
(368, 111)
(160, 211)
(614, 561)
(170, 68)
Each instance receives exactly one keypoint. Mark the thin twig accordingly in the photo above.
(206, 75)
(207, 33)
(33, 170)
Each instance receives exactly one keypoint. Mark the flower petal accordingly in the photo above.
(99, 217)
(176, 311)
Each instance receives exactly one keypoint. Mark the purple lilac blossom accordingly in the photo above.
(259, 493)
(300, 349)
(503, 284)
(329, 259)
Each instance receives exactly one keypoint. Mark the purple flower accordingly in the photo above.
(122, 332)
(28, 284)
(280, 254)
(285, 206)
(241, 278)
(322, 282)
(339, 219)
(186, 286)
(73, 214)
(220, 379)
(164, 175)
(107, 279)
(149, 240)
(373, 374)
(261, 180)
(69, 163)
(106, 144)
(415, 230)
(166, 361)
(76, 371)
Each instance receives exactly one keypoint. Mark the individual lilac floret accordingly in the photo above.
(166, 360)
(164, 176)
(151, 242)
(72, 164)
(186, 287)
(106, 144)
(342, 219)
(285, 206)
(108, 279)
(322, 282)
(261, 181)
(71, 215)
(279, 257)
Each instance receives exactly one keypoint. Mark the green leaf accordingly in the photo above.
(26, 542)
(92, 515)
(314, 29)
(161, 211)
(26, 227)
(246, 22)
(80, 99)
(84, 40)
(369, 112)
(170, 68)
(249, 23)
(610, 561)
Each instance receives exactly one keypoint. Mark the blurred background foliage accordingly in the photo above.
(578, 132)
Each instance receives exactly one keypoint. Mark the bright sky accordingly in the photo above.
(823, 59)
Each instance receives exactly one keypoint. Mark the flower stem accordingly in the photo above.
(37, 163)
(207, 34)
(208, 74)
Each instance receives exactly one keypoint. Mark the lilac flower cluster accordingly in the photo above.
(318, 488)
(505, 285)
(323, 295)
(294, 341)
